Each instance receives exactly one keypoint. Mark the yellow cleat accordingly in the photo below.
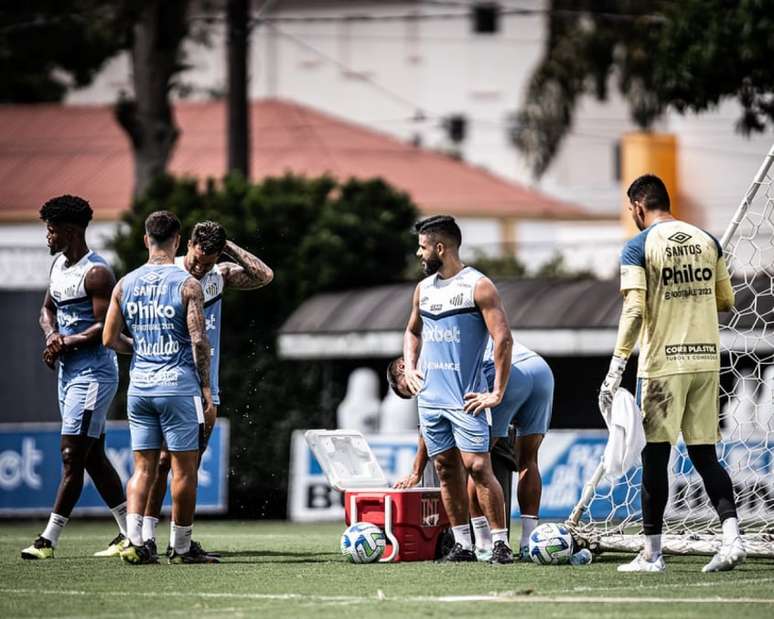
(140, 555)
(41, 549)
(114, 548)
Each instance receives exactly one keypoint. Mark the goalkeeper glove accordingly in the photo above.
(611, 384)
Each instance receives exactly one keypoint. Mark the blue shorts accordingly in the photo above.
(84, 407)
(528, 399)
(178, 420)
(444, 429)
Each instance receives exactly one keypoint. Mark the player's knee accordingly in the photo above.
(165, 463)
(73, 459)
(444, 469)
(479, 469)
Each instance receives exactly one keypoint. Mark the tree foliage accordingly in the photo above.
(317, 235)
(688, 55)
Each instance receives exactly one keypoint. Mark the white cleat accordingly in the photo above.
(483, 554)
(642, 564)
(727, 558)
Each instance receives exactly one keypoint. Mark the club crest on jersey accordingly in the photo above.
(211, 289)
(457, 300)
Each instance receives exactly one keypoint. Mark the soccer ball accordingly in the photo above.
(550, 544)
(362, 542)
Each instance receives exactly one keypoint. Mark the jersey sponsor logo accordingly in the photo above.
(150, 310)
(152, 277)
(685, 274)
(436, 307)
(671, 350)
(444, 366)
(683, 250)
(66, 319)
(680, 237)
(162, 347)
(210, 323)
(438, 335)
(148, 290)
(151, 378)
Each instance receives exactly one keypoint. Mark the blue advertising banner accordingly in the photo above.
(30, 468)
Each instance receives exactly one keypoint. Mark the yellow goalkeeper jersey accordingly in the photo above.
(678, 266)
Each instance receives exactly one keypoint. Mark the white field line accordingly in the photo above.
(84, 538)
(423, 599)
(709, 582)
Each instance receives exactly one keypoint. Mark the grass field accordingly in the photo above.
(287, 570)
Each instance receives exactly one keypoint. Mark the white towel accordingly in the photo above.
(627, 436)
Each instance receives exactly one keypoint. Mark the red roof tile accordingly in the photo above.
(47, 150)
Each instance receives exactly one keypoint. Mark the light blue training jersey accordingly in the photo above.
(154, 312)
(454, 336)
(519, 352)
(75, 314)
(213, 284)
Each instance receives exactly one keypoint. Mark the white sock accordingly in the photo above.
(528, 524)
(481, 533)
(180, 538)
(653, 546)
(730, 530)
(54, 528)
(500, 535)
(462, 536)
(134, 528)
(119, 513)
(149, 528)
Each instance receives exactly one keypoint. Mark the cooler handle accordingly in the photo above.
(387, 525)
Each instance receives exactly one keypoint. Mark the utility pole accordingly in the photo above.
(238, 110)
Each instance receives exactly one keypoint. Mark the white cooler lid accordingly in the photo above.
(346, 459)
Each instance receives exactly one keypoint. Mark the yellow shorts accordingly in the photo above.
(687, 403)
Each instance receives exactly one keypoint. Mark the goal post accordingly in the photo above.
(608, 516)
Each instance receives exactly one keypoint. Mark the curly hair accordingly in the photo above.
(67, 209)
(210, 236)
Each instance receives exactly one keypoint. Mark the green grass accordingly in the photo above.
(287, 570)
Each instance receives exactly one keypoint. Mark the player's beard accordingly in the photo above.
(432, 264)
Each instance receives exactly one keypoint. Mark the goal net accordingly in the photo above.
(609, 517)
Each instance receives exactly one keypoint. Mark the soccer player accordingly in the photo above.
(674, 281)
(71, 318)
(527, 403)
(169, 394)
(453, 311)
(243, 271)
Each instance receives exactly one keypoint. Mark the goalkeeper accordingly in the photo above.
(674, 281)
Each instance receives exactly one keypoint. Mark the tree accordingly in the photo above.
(156, 37)
(50, 46)
(238, 40)
(688, 55)
(317, 235)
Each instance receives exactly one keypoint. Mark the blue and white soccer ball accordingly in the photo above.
(550, 544)
(362, 542)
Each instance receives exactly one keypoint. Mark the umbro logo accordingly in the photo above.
(457, 300)
(151, 277)
(679, 237)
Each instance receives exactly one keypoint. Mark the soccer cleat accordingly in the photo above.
(195, 554)
(41, 549)
(727, 558)
(483, 554)
(458, 555)
(140, 555)
(501, 554)
(524, 554)
(197, 548)
(114, 548)
(641, 564)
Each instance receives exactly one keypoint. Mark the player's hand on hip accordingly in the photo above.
(408, 482)
(414, 380)
(611, 384)
(477, 403)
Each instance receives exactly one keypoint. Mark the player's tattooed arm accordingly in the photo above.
(412, 345)
(249, 272)
(491, 307)
(50, 331)
(193, 297)
(99, 283)
(113, 331)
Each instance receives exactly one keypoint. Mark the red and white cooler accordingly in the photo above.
(413, 520)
